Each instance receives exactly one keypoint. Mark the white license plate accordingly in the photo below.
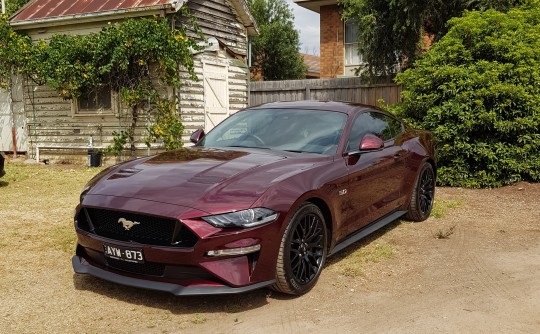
(123, 253)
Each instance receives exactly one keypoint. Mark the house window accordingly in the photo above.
(352, 56)
(96, 101)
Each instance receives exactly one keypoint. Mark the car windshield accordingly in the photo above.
(295, 130)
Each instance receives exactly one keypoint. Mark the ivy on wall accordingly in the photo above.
(124, 56)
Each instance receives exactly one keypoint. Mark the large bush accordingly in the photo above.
(478, 90)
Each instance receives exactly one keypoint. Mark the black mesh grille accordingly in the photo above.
(152, 269)
(82, 221)
(144, 229)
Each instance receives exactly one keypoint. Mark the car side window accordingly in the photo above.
(379, 124)
(358, 131)
(395, 128)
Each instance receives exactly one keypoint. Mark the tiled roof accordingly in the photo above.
(313, 63)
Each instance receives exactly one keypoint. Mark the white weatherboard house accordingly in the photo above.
(46, 122)
(12, 119)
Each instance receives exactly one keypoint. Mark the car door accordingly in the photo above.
(374, 178)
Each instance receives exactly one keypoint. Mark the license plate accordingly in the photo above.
(123, 253)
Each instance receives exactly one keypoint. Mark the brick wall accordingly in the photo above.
(332, 44)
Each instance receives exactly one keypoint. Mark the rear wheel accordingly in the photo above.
(423, 194)
(302, 252)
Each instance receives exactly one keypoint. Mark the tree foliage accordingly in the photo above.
(276, 49)
(390, 31)
(123, 56)
(13, 5)
(478, 90)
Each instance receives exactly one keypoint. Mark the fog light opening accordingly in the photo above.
(234, 251)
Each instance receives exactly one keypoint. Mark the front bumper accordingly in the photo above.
(187, 270)
(81, 266)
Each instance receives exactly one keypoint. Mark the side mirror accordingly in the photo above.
(196, 136)
(371, 142)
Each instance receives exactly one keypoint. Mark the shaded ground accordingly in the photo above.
(483, 278)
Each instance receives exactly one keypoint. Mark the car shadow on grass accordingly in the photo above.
(336, 258)
(363, 242)
(174, 304)
(4, 184)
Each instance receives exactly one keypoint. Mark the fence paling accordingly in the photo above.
(340, 89)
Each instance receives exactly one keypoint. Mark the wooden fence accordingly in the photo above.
(340, 89)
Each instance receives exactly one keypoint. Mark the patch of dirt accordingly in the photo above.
(483, 278)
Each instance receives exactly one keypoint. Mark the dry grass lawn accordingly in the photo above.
(484, 276)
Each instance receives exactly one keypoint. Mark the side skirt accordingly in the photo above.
(367, 231)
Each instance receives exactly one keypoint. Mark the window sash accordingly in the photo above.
(97, 99)
(352, 55)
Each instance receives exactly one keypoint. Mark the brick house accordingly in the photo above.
(339, 43)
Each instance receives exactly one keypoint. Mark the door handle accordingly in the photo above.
(398, 155)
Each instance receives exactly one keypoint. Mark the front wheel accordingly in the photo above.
(302, 252)
(423, 195)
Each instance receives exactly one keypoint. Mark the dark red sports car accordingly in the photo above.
(261, 200)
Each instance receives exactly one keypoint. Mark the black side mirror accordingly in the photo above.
(196, 136)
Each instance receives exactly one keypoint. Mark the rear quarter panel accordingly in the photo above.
(420, 145)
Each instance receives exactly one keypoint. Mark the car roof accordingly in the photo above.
(345, 107)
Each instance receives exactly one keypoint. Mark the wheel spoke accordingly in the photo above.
(303, 270)
(426, 191)
(307, 248)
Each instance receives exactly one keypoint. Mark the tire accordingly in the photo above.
(423, 195)
(302, 252)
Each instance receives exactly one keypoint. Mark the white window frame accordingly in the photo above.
(356, 58)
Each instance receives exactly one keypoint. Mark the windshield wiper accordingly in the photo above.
(296, 151)
(241, 146)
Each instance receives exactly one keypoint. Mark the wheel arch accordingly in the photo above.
(325, 209)
(434, 165)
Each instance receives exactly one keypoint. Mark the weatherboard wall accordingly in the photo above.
(51, 122)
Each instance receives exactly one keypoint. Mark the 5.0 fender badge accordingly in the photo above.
(127, 224)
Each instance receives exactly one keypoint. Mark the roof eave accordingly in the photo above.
(247, 19)
(315, 5)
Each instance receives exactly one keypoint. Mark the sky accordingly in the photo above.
(307, 23)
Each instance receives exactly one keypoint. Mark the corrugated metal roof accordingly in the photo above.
(48, 9)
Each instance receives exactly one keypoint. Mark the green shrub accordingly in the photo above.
(478, 90)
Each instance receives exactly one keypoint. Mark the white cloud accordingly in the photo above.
(308, 24)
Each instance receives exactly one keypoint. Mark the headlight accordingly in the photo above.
(244, 218)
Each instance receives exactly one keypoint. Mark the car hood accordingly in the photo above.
(210, 180)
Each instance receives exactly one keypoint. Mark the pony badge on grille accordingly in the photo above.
(128, 224)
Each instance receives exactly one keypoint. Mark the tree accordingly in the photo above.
(478, 90)
(390, 31)
(276, 50)
(13, 5)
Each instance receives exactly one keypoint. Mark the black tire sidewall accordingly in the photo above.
(425, 168)
(294, 285)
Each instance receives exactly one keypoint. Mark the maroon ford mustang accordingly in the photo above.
(261, 200)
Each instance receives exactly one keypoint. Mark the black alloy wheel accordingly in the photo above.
(423, 195)
(303, 251)
(427, 191)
